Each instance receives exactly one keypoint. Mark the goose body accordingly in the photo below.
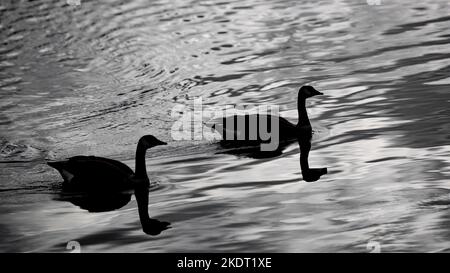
(228, 125)
(92, 173)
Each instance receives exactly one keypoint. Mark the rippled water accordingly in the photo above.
(91, 79)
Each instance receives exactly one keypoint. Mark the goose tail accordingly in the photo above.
(61, 167)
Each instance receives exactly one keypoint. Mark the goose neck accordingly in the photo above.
(302, 113)
(141, 169)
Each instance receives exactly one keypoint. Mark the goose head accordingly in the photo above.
(150, 141)
(308, 91)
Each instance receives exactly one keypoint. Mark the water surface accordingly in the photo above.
(93, 78)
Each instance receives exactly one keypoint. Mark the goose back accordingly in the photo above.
(228, 126)
(92, 173)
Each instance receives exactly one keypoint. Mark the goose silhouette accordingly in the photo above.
(239, 136)
(288, 133)
(100, 184)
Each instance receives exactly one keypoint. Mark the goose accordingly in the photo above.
(288, 132)
(107, 182)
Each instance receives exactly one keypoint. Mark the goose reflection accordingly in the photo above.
(98, 184)
(309, 174)
(288, 134)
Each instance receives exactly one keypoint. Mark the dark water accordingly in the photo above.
(91, 79)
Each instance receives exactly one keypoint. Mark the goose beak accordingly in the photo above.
(162, 143)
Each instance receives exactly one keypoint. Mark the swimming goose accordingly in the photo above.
(92, 173)
(287, 132)
(106, 183)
